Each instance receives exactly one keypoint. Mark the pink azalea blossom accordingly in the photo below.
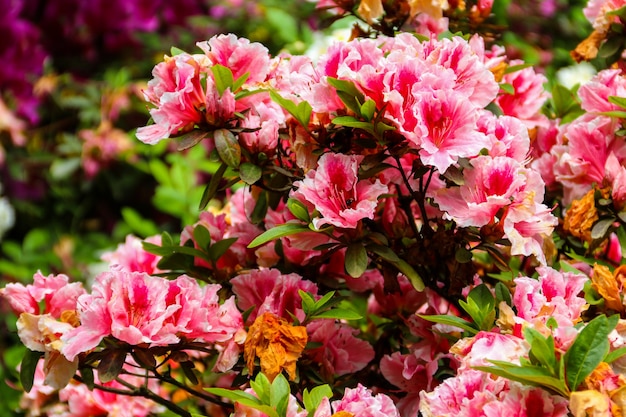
(596, 12)
(360, 402)
(137, 308)
(528, 97)
(488, 346)
(594, 94)
(131, 256)
(267, 290)
(508, 136)
(336, 192)
(341, 352)
(102, 147)
(553, 295)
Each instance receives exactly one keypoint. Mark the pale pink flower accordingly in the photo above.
(508, 136)
(341, 352)
(138, 308)
(239, 55)
(528, 97)
(596, 12)
(131, 256)
(488, 346)
(521, 400)
(594, 94)
(491, 184)
(55, 291)
(360, 402)
(336, 192)
(268, 290)
(176, 91)
(102, 147)
(447, 121)
(527, 224)
(554, 295)
(267, 117)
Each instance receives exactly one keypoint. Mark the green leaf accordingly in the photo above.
(507, 88)
(350, 121)
(502, 293)
(139, 225)
(313, 398)
(211, 189)
(614, 355)
(542, 350)
(308, 302)
(620, 101)
(528, 374)
(260, 208)
(356, 260)
(227, 147)
(27, 368)
(240, 81)
(480, 305)
(337, 313)
(601, 228)
(300, 112)
(190, 139)
(111, 364)
(587, 351)
(368, 109)
(250, 173)
(348, 93)
(277, 232)
(452, 321)
(262, 388)
(299, 210)
(223, 77)
(202, 237)
(86, 373)
(279, 395)
(176, 51)
(220, 247)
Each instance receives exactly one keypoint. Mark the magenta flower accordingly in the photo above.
(336, 192)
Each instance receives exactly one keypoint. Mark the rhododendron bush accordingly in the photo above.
(415, 222)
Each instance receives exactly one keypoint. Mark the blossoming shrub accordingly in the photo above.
(408, 225)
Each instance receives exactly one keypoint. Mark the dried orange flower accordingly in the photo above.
(371, 10)
(589, 403)
(276, 343)
(605, 284)
(581, 216)
(434, 8)
(342, 414)
(588, 49)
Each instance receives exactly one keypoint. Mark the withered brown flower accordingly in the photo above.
(580, 217)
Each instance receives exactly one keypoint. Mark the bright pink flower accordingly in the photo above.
(341, 352)
(553, 295)
(447, 121)
(267, 290)
(239, 55)
(337, 193)
(360, 402)
(528, 97)
(131, 256)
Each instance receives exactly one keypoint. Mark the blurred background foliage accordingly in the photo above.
(75, 178)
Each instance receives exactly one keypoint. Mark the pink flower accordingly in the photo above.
(102, 147)
(528, 97)
(55, 291)
(131, 256)
(594, 95)
(553, 295)
(267, 290)
(336, 192)
(239, 55)
(360, 402)
(487, 346)
(139, 308)
(491, 184)
(522, 400)
(508, 136)
(447, 121)
(340, 352)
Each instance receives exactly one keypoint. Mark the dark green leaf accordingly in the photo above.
(190, 139)
(111, 364)
(463, 255)
(502, 293)
(86, 373)
(189, 370)
(27, 368)
(250, 173)
(202, 237)
(227, 147)
(260, 209)
(587, 351)
(211, 189)
(601, 228)
(220, 247)
(356, 260)
(277, 232)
